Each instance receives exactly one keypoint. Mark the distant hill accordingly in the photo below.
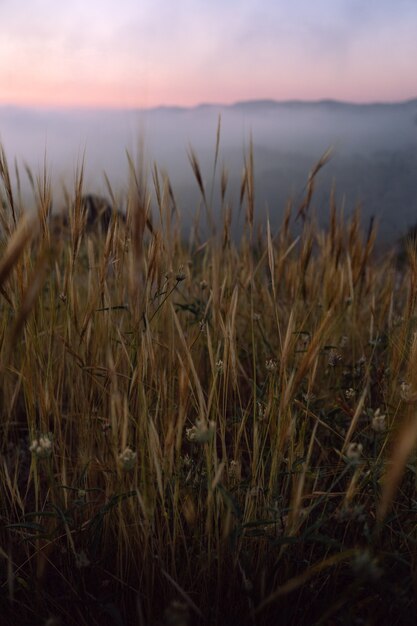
(325, 103)
(302, 105)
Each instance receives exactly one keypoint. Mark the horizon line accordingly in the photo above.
(200, 105)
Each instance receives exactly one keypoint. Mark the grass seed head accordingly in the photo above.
(354, 451)
(378, 423)
(202, 432)
(127, 459)
(41, 447)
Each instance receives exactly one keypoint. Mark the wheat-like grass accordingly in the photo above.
(210, 430)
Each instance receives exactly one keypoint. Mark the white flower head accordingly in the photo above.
(202, 432)
(42, 446)
(407, 393)
(271, 365)
(378, 423)
(234, 470)
(344, 341)
(334, 358)
(405, 390)
(127, 459)
(308, 397)
(354, 451)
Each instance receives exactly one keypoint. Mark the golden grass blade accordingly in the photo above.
(5, 176)
(315, 344)
(195, 166)
(26, 229)
(250, 185)
(298, 581)
(355, 418)
(271, 260)
(216, 157)
(197, 382)
(223, 184)
(403, 445)
(404, 441)
(302, 211)
(35, 284)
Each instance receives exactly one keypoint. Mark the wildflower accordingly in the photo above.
(234, 470)
(190, 433)
(187, 461)
(378, 423)
(203, 285)
(42, 447)
(365, 565)
(334, 358)
(308, 397)
(354, 451)
(344, 340)
(202, 432)
(406, 393)
(219, 366)
(127, 459)
(271, 365)
(350, 393)
(203, 326)
(180, 275)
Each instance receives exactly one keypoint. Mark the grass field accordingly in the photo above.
(204, 430)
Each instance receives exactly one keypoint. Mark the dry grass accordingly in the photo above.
(228, 427)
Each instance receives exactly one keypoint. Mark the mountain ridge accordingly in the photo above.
(248, 105)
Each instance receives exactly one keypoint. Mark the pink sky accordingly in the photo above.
(131, 54)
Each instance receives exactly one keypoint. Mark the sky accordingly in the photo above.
(146, 53)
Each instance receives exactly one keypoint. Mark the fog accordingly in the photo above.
(374, 160)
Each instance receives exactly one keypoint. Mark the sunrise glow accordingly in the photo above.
(130, 54)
